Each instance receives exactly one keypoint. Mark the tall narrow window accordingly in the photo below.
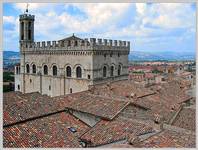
(119, 69)
(112, 70)
(17, 70)
(29, 31)
(45, 70)
(76, 43)
(33, 68)
(68, 71)
(104, 71)
(22, 31)
(78, 72)
(54, 71)
(27, 68)
(69, 43)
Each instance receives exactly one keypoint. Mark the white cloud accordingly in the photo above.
(165, 15)
(153, 23)
(98, 15)
(9, 19)
(141, 8)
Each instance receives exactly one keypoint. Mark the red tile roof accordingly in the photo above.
(121, 89)
(97, 105)
(50, 131)
(168, 139)
(186, 119)
(105, 132)
(19, 107)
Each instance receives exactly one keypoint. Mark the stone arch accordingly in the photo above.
(78, 70)
(65, 69)
(54, 69)
(34, 68)
(112, 70)
(45, 69)
(27, 68)
(105, 68)
(119, 69)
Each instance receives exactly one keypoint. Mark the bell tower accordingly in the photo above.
(26, 30)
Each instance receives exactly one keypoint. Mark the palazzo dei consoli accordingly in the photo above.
(68, 65)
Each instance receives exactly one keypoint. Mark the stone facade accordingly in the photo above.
(68, 65)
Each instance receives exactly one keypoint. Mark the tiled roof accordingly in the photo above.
(186, 119)
(19, 107)
(121, 89)
(97, 105)
(169, 138)
(105, 132)
(166, 101)
(50, 131)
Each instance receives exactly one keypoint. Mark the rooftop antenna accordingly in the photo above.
(27, 8)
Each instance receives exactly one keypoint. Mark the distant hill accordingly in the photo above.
(10, 58)
(146, 56)
(11, 55)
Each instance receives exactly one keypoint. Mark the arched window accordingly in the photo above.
(78, 72)
(54, 71)
(17, 70)
(27, 68)
(104, 71)
(112, 70)
(68, 71)
(76, 43)
(119, 69)
(45, 70)
(69, 43)
(33, 68)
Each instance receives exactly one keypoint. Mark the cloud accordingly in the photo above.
(9, 19)
(152, 23)
(167, 15)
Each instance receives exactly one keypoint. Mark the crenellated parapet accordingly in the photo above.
(26, 16)
(79, 44)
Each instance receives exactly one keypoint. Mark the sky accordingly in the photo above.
(150, 27)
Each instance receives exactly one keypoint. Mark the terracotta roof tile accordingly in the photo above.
(106, 132)
(186, 119)
(100, 106)
(168, 138)
(50, 131)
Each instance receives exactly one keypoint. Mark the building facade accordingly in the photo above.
(68, 65)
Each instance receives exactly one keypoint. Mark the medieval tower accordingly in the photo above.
(68, 65)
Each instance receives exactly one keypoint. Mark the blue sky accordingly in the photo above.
(153, 27)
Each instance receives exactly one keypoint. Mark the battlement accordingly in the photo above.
(79, 44)
(26, 16)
